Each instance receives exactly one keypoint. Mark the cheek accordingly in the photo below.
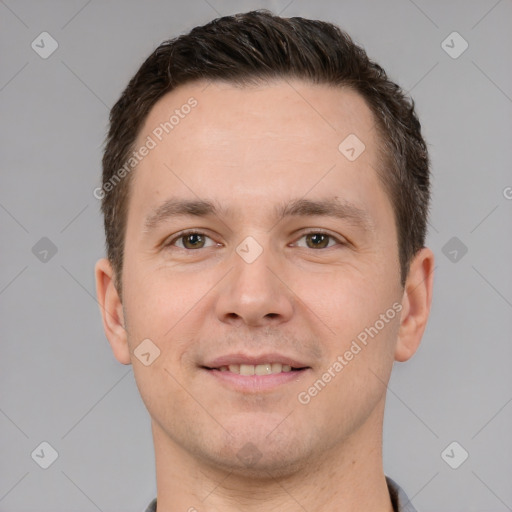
(156, 299)
(346, 299)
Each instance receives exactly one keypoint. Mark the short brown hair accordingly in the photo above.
(251, 48)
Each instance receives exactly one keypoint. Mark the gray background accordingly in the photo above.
(59, 381)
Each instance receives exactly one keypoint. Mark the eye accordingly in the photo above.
(318, 240)
(191, 240)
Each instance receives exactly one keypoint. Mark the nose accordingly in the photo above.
(255, 293)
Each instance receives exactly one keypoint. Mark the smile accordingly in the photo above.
(258, 369)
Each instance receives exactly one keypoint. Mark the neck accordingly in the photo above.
(347, 478)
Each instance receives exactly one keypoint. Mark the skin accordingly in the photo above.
(249, 149)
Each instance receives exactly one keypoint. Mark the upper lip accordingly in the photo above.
(240, 358)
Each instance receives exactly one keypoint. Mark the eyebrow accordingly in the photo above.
(298, 207)
(180, 207)
(327, 208)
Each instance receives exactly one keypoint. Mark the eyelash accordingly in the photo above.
(193, 232)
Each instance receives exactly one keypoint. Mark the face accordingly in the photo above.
(254, 244)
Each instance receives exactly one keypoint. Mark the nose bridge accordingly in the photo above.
(252, 293)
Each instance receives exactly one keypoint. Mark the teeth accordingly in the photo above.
(259, 369)
(263, 369)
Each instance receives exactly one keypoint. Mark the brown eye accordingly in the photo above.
(317, 240)
(193, 241)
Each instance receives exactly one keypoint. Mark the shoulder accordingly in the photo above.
(401, 503)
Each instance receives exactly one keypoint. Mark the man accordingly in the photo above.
(265, 193)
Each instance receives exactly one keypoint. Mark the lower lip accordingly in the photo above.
(256, 383)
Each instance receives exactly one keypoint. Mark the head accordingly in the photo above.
(296, 250)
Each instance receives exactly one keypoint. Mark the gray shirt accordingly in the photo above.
(399, 499)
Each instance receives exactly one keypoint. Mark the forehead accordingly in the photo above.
(225, 115)
(236, 143)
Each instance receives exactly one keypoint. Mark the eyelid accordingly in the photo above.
(172, 239)
(313, 231)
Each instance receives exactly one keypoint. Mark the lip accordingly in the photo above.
(255, 383)
(240, 358)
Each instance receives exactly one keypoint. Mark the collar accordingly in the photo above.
(399, 499)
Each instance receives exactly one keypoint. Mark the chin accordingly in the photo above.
(260, 463)
(261, 453)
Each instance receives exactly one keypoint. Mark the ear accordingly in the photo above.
(111, 311)
(416, 304)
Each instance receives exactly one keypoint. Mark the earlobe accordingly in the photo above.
(111, 311)
(416, 304)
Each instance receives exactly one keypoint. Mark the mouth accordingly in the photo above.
(255, 374)
(258, 369)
